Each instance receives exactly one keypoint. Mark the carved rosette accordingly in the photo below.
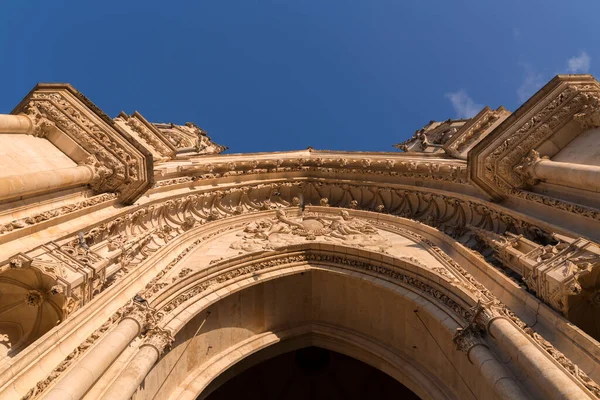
(160, 339)
(34, 298)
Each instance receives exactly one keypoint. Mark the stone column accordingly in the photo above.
(579, 176)
(16, 186)
(86, 371)
(546, 375)
(15, 124)
(498, 378)
(140, 365)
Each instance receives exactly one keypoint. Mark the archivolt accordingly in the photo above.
(247, 270)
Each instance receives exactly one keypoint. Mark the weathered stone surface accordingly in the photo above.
(138, 260)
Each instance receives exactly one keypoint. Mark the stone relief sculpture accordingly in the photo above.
(270, 234)
(502, 249)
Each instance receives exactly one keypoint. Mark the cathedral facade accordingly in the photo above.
(137, 260)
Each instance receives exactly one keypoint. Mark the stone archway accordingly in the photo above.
(359, 304)
(438, 305)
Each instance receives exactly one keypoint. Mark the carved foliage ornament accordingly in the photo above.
(575, 101)
(122, 167)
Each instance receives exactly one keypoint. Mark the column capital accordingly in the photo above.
(141, 313)
(466, 338)
(40, 125)
(525, 168)
(100, 172)
(471, 335)
(160, 339)
(589, 116)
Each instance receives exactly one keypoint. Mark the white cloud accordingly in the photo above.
(532, 81)
(464, 105)
(579, 64)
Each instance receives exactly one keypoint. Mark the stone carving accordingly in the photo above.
(159, 338)
(525, 167)
(315, 256)
(57, 212)
(282, 231)
(558, 204)
(146, 135)
(95, 135)
(429, 137)
(41, 124)
(34, 298)
(475, 131)
(42, 385)
(450, 171)
(573, 369)
(189, 137)
(115, 246)
(499, 175)
(589, 116)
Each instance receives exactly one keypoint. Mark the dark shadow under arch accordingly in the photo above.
(308, 373)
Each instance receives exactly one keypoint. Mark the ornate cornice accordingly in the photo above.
(122, 165)
(474, 131)
(450, 171)
(492, 162)
(148, 134)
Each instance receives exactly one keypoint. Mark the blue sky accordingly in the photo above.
(283, 75)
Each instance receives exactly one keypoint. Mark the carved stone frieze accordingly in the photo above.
(282, 231)
(554, 272)
(451, 171)
(319, 257)
(525, 167)
(589, 116)
(57, 212)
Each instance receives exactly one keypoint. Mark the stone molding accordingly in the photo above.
(493, 161)
(474, 131)
(189, 138)
(161, 148)
(554, 272)
(494, 309)
(447, 170)
(121, 165)
(478, 317)
(157, 224)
